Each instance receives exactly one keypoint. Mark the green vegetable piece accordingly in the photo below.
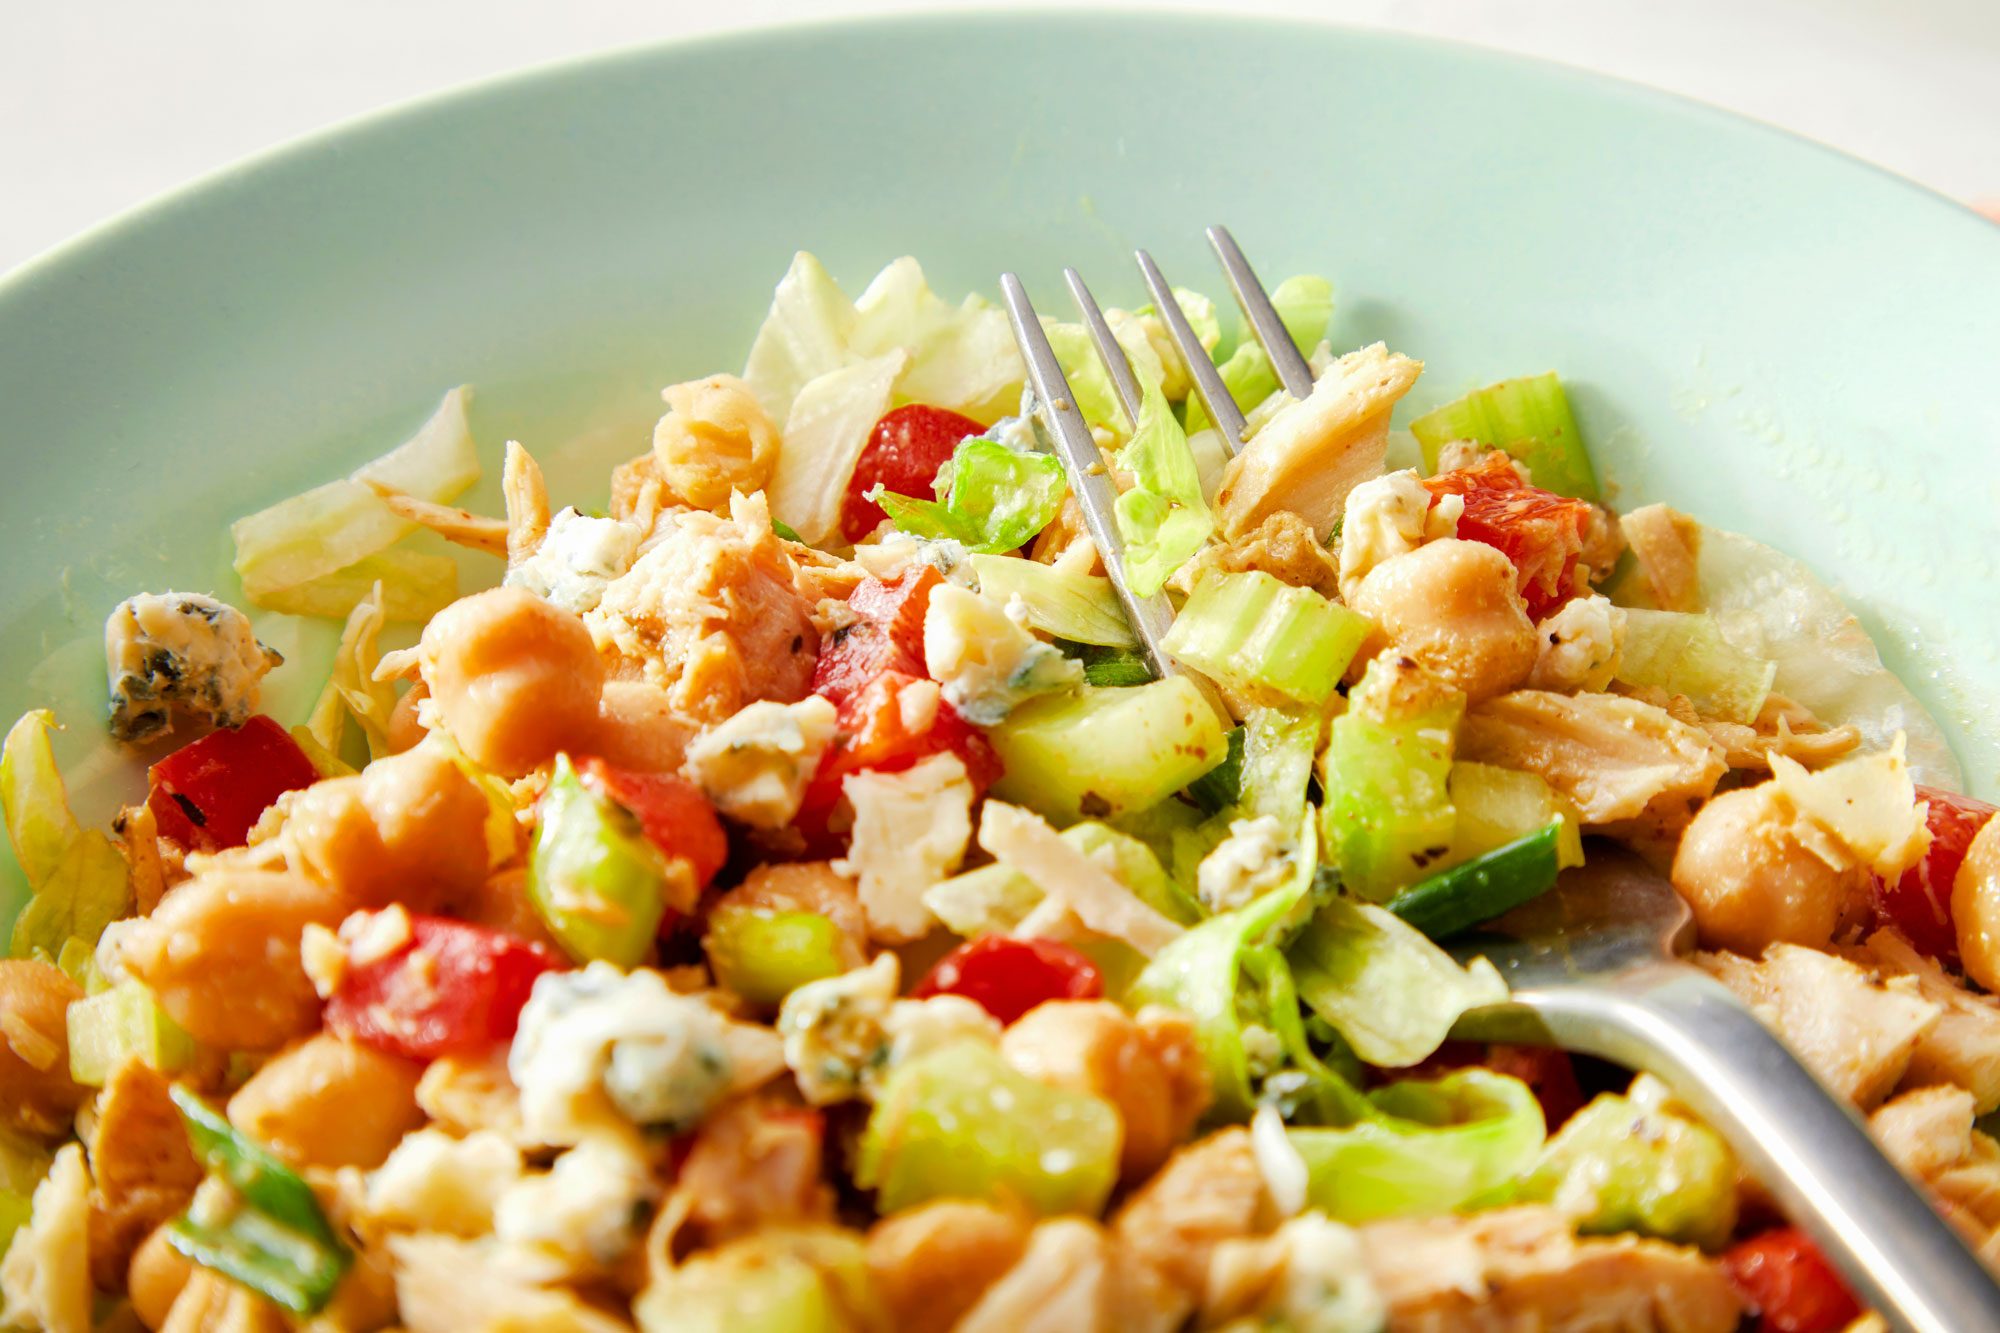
(1109, 667)
(107, 1028)
(764, 956)
(1458, 899)
(23, 1164)
(1000, 498)
(596, 880)
(786, 531)
(1527, 417)
(1685, 653)
(1163, 516)
(779, 1280)
(1080, 608)
(15, 1208)
(1430, 1147)
(959, 1122)
(1251, 632)
(78, 959)
(277, 1242)
(1639, 1167)
(993, 899)
(1278, 751)
(1388, 817)
(1317, 1092)
(1102, 751)
(1496, 806)
(1305, 305)
(1221, 786)
(75, 875)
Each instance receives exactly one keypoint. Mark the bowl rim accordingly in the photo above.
(47, 264)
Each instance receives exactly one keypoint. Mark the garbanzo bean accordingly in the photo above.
(637, 728)
(1975, 907)
(327, 1102)
(1452, 605)
(1751, 882)
(221, 954)
(409, 828)
(37, 1095)
(715, 438)
(405, 732)
(514, 678)
(155, 1279)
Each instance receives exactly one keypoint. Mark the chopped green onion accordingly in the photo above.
(1110, 667)
(764, 956)
(785, 530)
(595, 879)
(1000, 498)
(1250, 632)
(1458, 899)
(111, 1026)
(1081, 608)
(1104, 751)
(1530, 419)
(1388, 817)
(1685, 653)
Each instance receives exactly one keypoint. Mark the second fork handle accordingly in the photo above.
(1806, 1146)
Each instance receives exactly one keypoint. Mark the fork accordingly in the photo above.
(1592, 966)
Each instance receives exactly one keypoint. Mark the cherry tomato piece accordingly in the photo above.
(903, 454)
(1784, 1277)
(1540, 531)
(887, 635)
(1007, 977)
(207, 794)
(453, 987)
(1919, 904)
(890, 725)
(672, 812)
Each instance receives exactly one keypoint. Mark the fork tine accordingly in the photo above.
(1222, 409)
(1265, 323)
(1122, 378)
(1151, 617)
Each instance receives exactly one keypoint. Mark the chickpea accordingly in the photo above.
(327, 1102)
(931, 1264)
(1149, 1068)
(211, 1303)
(155, 1279)
(637, 728)
(1975, 907)
(514, 678)
(806, 886)
(1452, 605)
(221, 954)
(37, 1095)
(409, 828)
(715, 438)
(1751, 882)
(501, 902)
(405, 732)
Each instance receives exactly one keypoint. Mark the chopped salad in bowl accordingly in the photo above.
(784, 899)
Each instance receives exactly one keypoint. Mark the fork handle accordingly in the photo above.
(1807, 1147)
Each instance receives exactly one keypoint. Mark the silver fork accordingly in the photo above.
(1592, 964)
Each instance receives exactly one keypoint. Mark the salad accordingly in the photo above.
(782, 899)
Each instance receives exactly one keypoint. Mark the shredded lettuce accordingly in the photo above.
(1089, 381)
(828, 426)
(1684, 653)
(352, 688)
(999, 498)
(76, 876)
(1081, 608)
(1163, 517)
(803, 337)
(1305, 303)
(962, 358)
(415, 585)
(322, 532)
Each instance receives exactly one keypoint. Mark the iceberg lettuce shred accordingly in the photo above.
(76, 876)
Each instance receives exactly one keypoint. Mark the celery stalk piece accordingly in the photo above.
(764, 956)
(959, 1122)
(779, 1280)
(1278, 746)
(1252, 633)
(1103, 751)
(107, 1028)
(1640, 1168)
(78, 958)
(1497, 805)
(1529, 418)
(1079, 607)
(1685, 653)
(595, 879)
(1388, 816)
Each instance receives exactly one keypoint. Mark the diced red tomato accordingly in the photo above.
(207, 794)
(1549, 1073)
(893, 723)
(903, 454)
(1540, 531)
(672, 811)
(1007, 977)
(1784, 1277)
(887, 636)
(453, 987)
(1919, 904)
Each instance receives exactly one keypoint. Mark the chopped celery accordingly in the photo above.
(76, 876)
(1389, 991)
(764, 956)
(1497, 805)
(1431, 1147)
(999, 498)
(1685, 653)
(778, 1280)
(1636, 1167)
(1220, 787)
(1251, 632)
(594, 877)
(125, 1021)
(959, 1122)
(78, 958)
(1081, 608)
(1278, 751)
(1388, 817)
(1529, 418)
(1103, 751)
(1460, 898)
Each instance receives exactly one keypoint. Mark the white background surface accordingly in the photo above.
(104, 103)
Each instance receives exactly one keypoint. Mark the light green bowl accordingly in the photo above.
(1765, 333)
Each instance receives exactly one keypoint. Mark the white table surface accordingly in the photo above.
(104, 103)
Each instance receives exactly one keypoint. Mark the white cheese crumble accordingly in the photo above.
(578, 557)
(755, 765)
(1863, 809)
(1256, 856)
(1388, 517)
(1073, 882)
(910, 831)
(844, 1035)
(580, 1216)
(1578, 647)
(167, 650)
(434, 1182)
(986, 662)
(900, 553)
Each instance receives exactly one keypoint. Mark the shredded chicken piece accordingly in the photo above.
(639, 492)
(1666, 543)
(1208, 1192)
(1616, 758)
(1963, 1047)
(527, 498)
(211, 1303)
(931, 1264)
(444, 1285)
(143, 1168)
(462, 527)
(1929, 1133)
(1856, 1029)
(1781, 727)
(1603, 543)
(468, 1093)
(1523, 1269)
(755, 1163)
(1065, 529)
(1283, 546)
(1073, 1278)
(45, 1275)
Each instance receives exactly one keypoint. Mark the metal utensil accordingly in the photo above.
(1594, 966)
